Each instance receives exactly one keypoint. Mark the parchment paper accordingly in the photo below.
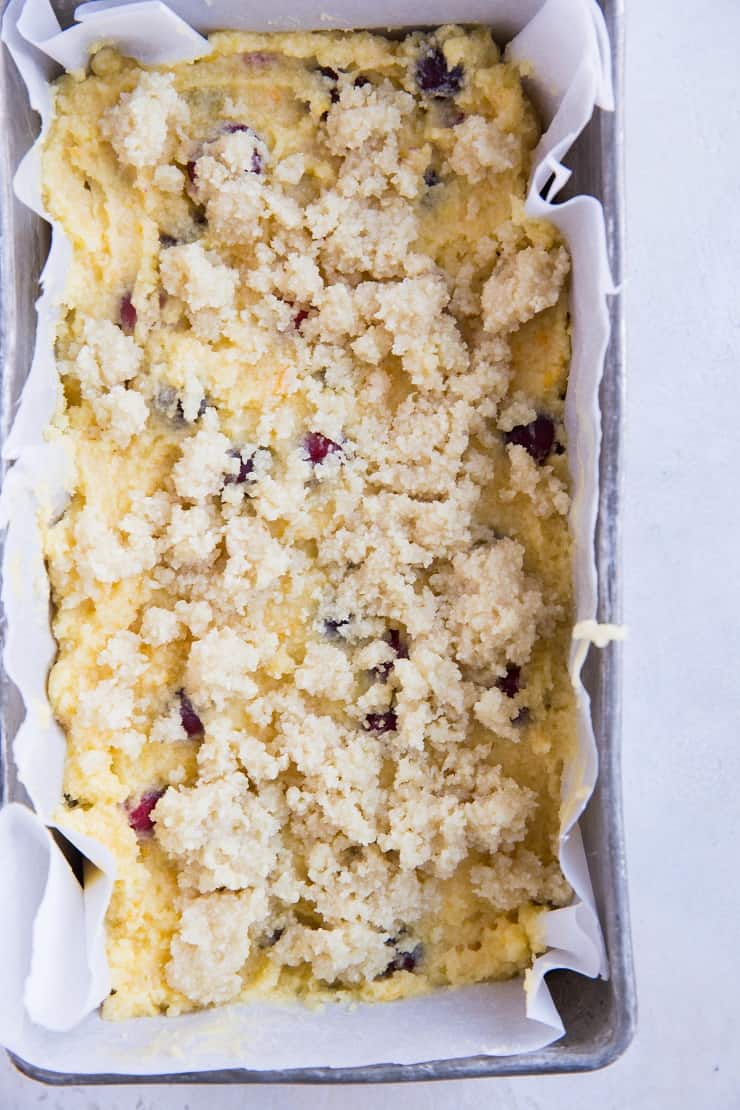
(52, 944)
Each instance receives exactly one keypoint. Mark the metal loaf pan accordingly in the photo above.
(598, 1015)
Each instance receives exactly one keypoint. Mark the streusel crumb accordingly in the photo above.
(312, 590)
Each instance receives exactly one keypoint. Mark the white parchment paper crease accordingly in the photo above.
(52, 952)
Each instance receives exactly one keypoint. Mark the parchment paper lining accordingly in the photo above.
(52, 952)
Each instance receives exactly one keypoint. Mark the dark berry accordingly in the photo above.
(299, 317)
(258, 58)
(257, 165)
(166, 240)
(246, 466)
(190, 171)
(127, 313)
(318, 446)
(140, 816)
(332, 627)
(189, 719)
(509, 683)
(271, 938)
(393, 639)
(433, 76)
(331, 75)
(403, 961)
(180, 411)
(537, 438)
(360, 82)
(431, 177)
(381, 722)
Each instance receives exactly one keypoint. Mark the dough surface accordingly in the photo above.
(312, 591)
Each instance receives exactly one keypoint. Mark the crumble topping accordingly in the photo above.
(312, 589)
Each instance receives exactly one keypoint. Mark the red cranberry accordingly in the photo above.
(246, 466)
(537, 438)
(403, 961)
(433, 76)
(381, 722)
(180, 411)
(318, 446)
(331, 75)
(140, 816)
(258, 58)
(510, 683)
(332, 627)
(191, 171)
(393, 639)
(271, 938)
(189, 719)
(127, 313)
(299, 317)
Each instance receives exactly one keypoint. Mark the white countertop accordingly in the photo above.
(682, 538)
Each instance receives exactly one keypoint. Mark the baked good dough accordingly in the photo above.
(312, 590)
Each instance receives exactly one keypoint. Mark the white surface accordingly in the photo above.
(682, 752)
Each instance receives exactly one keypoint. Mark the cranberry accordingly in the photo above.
(403, 961)
(140, 816)
(257, 165)
(360, 82)
(299, 317)
(431, 177)
(537, 438)
(510, 683)
(258, 58)
(318, 446)
(331, 626)
(381, 722)
(331, 75)
(433, 75)
(180, 411)
(393, 639)
(127, 313)
(189, 719)
(246, 466)
(190, 171)
(271, 938)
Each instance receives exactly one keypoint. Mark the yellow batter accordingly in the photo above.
(312, 589)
